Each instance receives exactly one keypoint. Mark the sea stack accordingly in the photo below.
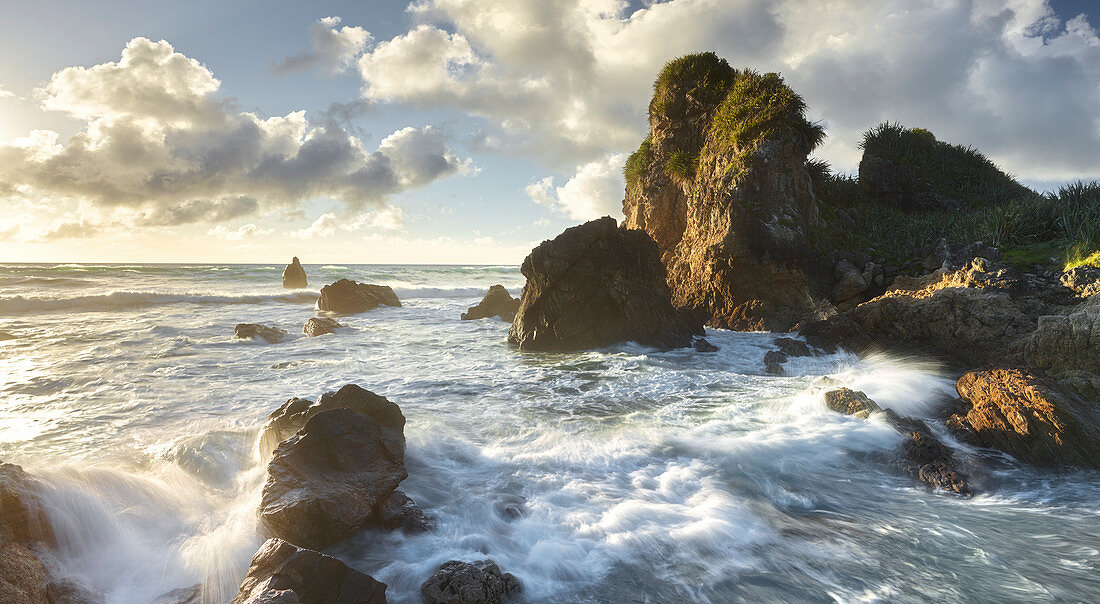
(294, 276)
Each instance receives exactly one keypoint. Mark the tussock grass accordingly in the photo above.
(636, 165)
(681, 166)
(760, 108)
(703, 76)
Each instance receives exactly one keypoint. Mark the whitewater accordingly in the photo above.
(639, 476)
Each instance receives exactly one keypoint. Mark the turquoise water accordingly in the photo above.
(645, 476)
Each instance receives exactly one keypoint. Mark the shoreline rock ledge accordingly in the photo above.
(294, 276)
(595, 285)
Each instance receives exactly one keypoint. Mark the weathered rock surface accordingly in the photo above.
(294, 276)
(1019, 412)
(398, 511)
(282, 573)
(595, 285)
(922, 455)
(251, 331)
(331, 479)
(1085, 280)
(319, 326)
(469, 583)
(729, 213)
(497, 303)
(1066, 342)
(348, 297)
(291, 416)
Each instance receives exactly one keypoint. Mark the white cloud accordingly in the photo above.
(324, 226)
(241, 233)
(70, 229)
(161, 148)
(569, 81)
(595, 190)
(332, 49)
(6, 94)
(390, 218)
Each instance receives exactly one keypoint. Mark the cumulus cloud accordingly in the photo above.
(568, 81)
(6, 94)
(595, 190)
(390, 218)
(70, 229)
(161, 146)
(332, 48)
(245, 231)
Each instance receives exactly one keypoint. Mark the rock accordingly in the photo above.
(851, 402)
(850, 285)
(1084, 279)
(1020, 413)
(1066, 342)
(294, 276)
(348, 297)
(942, 254)
(24, 528)
(251, 331)
(331, 479)
(4, 336)
(399, 512)
(291, 416)
(922, 455)
(793, 348)
(497, 303)
(282, 573)
(701, 345)
(596, 285)
(319, 326)
(469, 583)
(732, 224)
(183, 595)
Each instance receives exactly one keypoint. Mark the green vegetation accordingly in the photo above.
(758, 108)
(637, 164)
(1075, 259)
(956, 172)
(681, 166)
(703, 76)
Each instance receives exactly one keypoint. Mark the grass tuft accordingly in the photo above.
(761, 108)
(681, 166)
(703, 76)
(637, 164)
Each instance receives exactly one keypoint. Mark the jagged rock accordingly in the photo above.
(348, 297)
(251, 331)
(1019, 412)
(595, 285)
(702, 345)
(319, 326)
(397, 511)
(922, 455)
(1084, 279)
(469, 583)
(331, 479)
(850, 285)
(291, 416)
(942, 254)
(793, 348)
(497, 303)
(1066, 342)
(294, 276)
(282, 573)
(730, 214)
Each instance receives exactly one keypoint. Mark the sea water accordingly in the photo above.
(618, 475)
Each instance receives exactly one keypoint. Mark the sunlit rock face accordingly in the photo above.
(294, 276)
(721, 185)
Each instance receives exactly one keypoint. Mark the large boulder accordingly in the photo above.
(292, 415)
(348, 297)
(721, 185)
(496, 303)
(1066, 342)
(332, 478)
(252, 331)
(595, 285)
(294, 276)
(1021, 413)
(319, 326)
(282, 573)
(479, 582)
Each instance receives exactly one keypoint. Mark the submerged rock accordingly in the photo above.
(332, 478)
(469, 583)
(348, 297)
(595, 285)
(496, 303)
(922, 455)
(319, 326)
(251, 331)
(282, 573)
(1026, 416)
(183, 595)
(294, 276)
(702, 345)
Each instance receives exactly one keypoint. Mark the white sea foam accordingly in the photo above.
(135, 299)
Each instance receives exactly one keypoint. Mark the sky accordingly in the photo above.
(466, 131)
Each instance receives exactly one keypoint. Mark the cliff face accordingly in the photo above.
(721, 185)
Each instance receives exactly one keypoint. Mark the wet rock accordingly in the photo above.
(851, 402)
(399, 512)
(511, 507)
(497, 303)
(596, 285)
(793, 348)
(773, 361)
(348, 297)
(24, 528)
(480, 582)
(319, 326)
(701, 345)
(66, 591)
(251, 331)
(282, 573)
(294, 276)
(183, 595)
(1025, 415)
(291, 416)
(1085, 280)
(331, 479)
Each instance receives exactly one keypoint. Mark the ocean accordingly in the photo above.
(643, 476)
